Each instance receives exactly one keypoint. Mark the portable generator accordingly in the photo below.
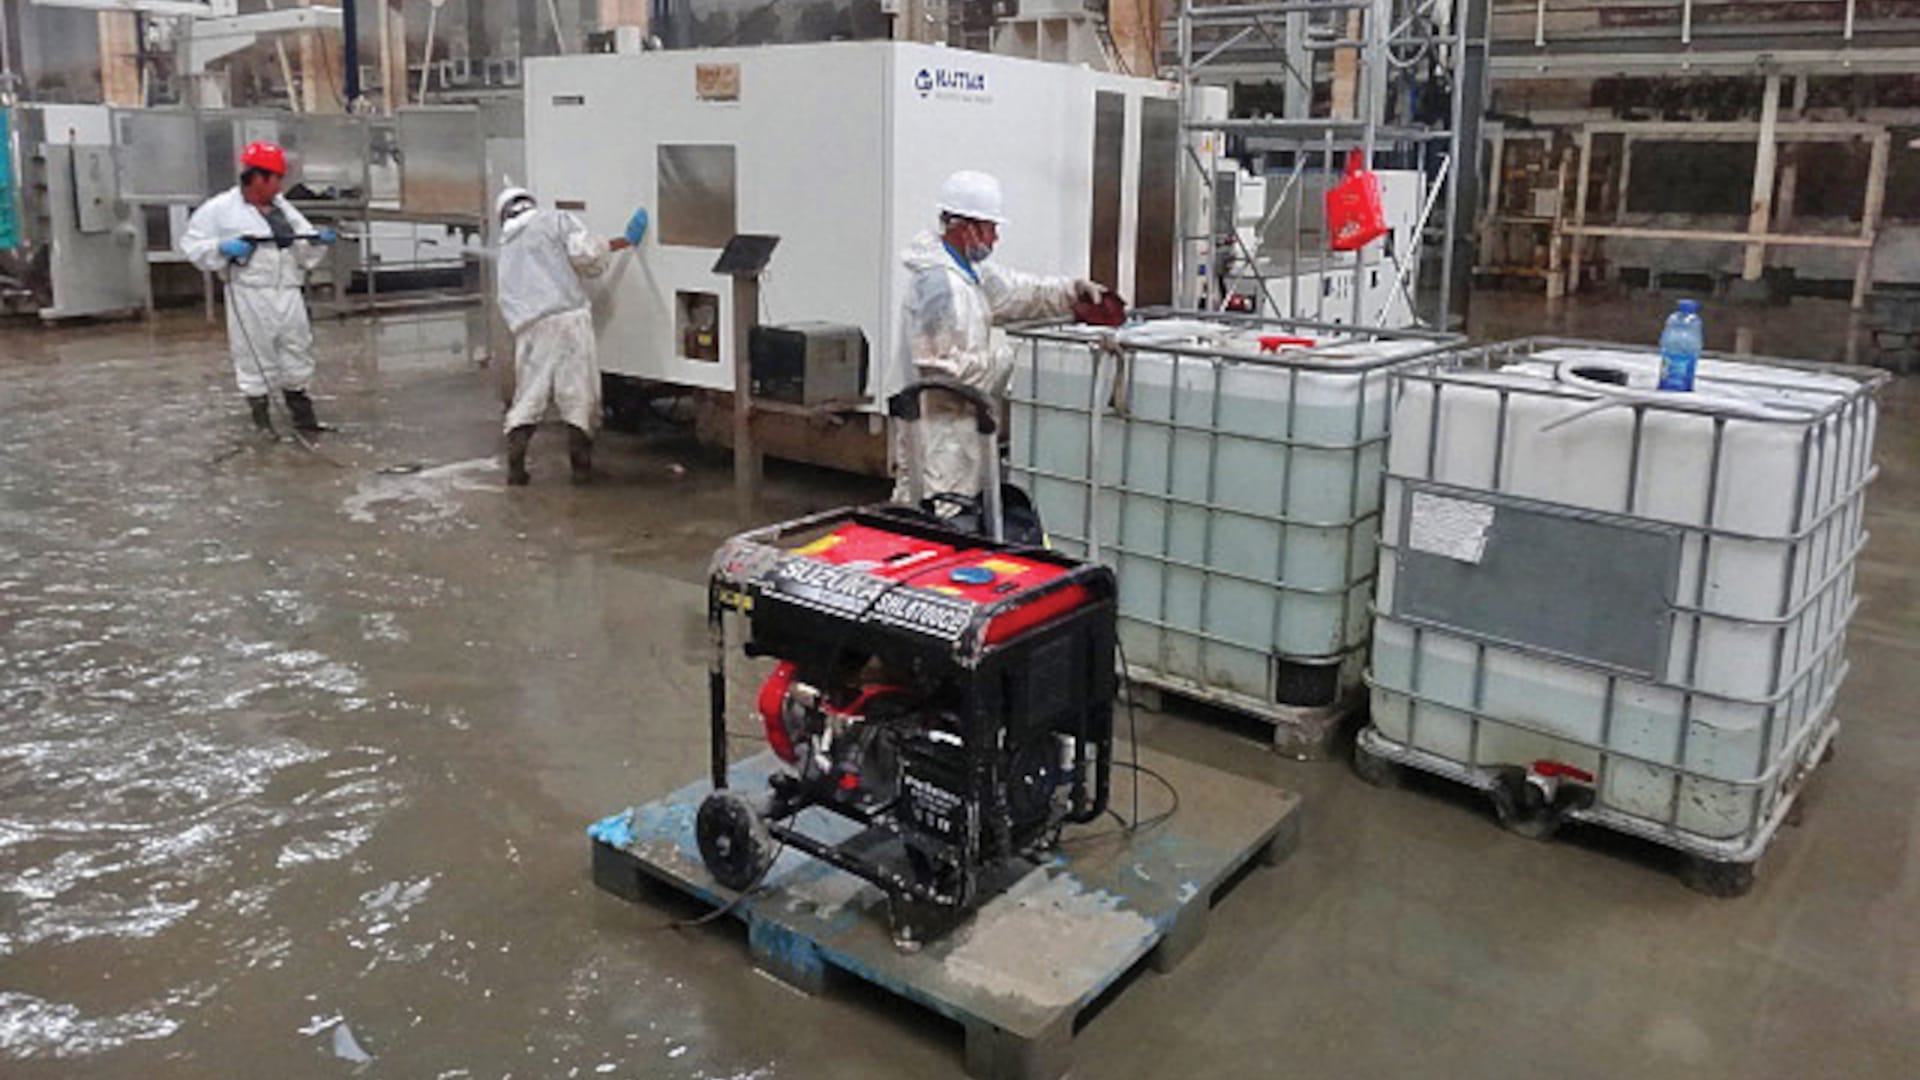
(950, 695)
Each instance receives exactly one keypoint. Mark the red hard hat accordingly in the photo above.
(264, 155)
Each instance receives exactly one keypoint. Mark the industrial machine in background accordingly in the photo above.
(949, 695)
(79, 247)
(726, 141)
(1228, 468)
(1709, 542)
(104, 194)
(1278, 262)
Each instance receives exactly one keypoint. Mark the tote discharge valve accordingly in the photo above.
(951, 696)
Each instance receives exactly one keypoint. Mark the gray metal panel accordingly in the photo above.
(160, 156)
(697, 196)
(1549, 579)
(331, 152)
(92, 273)
(218, 142)
(442, 166)
(1109, 149)
(503, 119)
(1159, 180)
(94, 189)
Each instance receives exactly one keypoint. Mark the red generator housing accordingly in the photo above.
(951, 695)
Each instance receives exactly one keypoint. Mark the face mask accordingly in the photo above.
(978, 253)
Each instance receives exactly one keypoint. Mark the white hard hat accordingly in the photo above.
(973, 195)
(509, 196)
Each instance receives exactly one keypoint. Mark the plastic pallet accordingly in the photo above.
(1020, 973)
(1303, 733)
(1709, 867)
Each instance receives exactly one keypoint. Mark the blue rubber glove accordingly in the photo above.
(236, 248)
(637, 226)
(326, 236)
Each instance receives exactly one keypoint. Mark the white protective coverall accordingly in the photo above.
(267, 330)
(946, 331)
(543, 254)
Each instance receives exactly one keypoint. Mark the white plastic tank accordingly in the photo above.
(1650, 588)
(1232, 480)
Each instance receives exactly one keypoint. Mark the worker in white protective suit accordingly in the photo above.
(953, 300)
(543, 255)
(262, 248)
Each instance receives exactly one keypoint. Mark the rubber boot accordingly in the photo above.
(262, 408)
(580, 454)
(301, 406)
(517, 442)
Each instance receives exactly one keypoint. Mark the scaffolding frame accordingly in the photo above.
(1377, 50)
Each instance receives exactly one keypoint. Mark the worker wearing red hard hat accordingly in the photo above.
(262, 248)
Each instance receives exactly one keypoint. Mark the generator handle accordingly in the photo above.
(716, 687)
(905, 405)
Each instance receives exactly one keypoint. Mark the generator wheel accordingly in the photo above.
(733, 838)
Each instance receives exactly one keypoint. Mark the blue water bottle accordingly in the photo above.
(1680, 345)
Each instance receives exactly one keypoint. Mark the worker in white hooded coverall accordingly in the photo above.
(262, 248)
(953, 300)
(543, 255)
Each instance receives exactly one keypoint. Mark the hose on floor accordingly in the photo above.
(261, 370)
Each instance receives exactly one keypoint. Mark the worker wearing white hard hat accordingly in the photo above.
(954, 298)
(543, 256)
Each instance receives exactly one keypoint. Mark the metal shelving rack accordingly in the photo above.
(1729, 39)
(1377, 57)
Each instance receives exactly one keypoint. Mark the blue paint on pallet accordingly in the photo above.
(615, 830)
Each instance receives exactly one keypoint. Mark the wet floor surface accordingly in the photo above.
(296, 757)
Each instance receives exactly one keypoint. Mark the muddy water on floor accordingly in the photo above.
(295, 758)
(295, 762)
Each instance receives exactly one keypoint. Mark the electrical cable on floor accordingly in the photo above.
(1139, 770)
(235, 450)
(1133, 727)
(738, 898)
(260, 369)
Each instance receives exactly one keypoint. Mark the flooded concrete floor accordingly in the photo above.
(288, 749)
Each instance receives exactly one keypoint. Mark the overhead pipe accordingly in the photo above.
(6, 56)
(350, 51)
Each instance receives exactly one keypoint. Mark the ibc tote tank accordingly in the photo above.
(1229, 470)
(1647, 592)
